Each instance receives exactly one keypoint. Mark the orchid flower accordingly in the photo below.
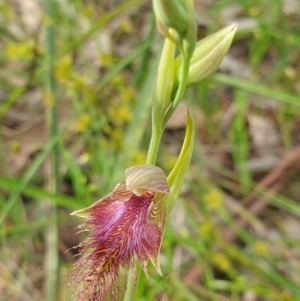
(126, 224)
(129, 223)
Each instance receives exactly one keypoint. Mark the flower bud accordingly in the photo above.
(207, 56)
(172, 13)
(164, 82)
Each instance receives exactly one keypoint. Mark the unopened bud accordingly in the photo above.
(164, 82)
(207, 55)
(172, 14)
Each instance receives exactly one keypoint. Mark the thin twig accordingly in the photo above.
(274, 181)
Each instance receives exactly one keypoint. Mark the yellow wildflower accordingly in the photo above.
(207, 229)
(106, 59)
(117, 137)
(15, 147)
(261, 248)
(121, 113)
(139, 158)
(19, 51)
(128, 94)
(213, 198)
(126, 25)
(222, 261)
(83, 122)
(63, 69)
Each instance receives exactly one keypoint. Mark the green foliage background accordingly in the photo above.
(86, 71)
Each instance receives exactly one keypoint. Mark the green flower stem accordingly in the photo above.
(51, 260)
(154, 146)
(130, 286)
(157, 132)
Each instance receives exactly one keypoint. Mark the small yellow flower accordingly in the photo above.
(63, 69)
(261, 248)
(47, 21)
(213, 198)
(105, 144)
(83, 123)
(83, 180)
(117, 137)
(126, 25)
(93, 187)
(222, 261)
(78, 82)
(290, 72)
(106, 59)
(207, 229)
(84, 158)
(19, 51)
(240, 282)
(128, 94)
(254, 11)
(49, 98)
(87, 10)
(139, 158)
(121, 113)
(15, 147)
(118, 81)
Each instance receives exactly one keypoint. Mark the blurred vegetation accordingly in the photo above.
(76, 82)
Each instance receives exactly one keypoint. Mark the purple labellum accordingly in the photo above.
(122, 228)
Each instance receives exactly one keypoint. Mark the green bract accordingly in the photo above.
(178, 173)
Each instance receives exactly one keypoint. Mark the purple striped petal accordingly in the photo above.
(120, 232)
(126, 224)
